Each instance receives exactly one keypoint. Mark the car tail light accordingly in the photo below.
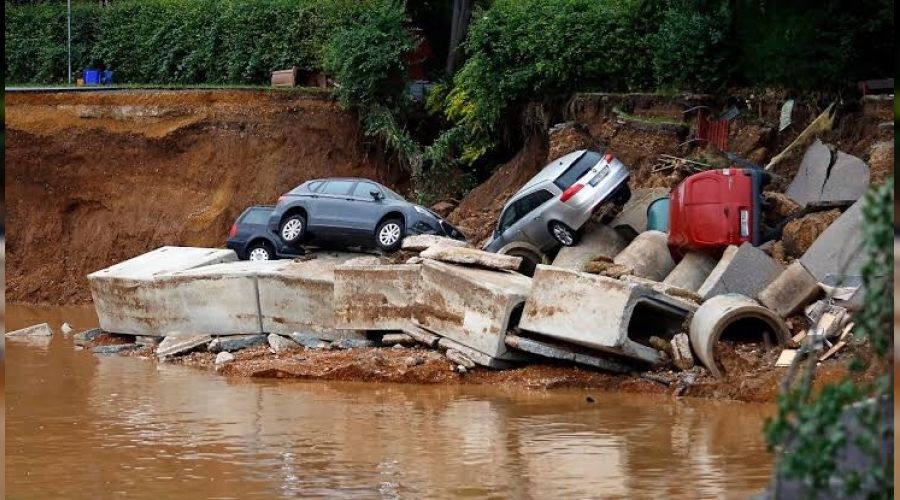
(233, 231)
(609, 158)
(745, 223)
(572, 191)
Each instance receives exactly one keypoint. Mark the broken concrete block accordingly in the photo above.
(606, 268)
(601, 313)
(114, 349)
(354, 344)
(177, 343)
(474, 307)
(633, 217)
(692, 271)
(308, 340)
(147, 341)
(397, 339)
(732, 317)
(87, 336)
(472, 257)
(280, 344)
(786, 357)
(41, 330)
(118, 292)
(457, 358)
(838, 250)
(419, 242)
(375, 297)
(597, 241)
(827, 177)
(560, 351)
(746, 270)
(421, 335)
(478, 357)
(235, 342)
(791, 290)
(681, 352)
(299, 297)
(223, 358)
(648, 256)
(66, 329)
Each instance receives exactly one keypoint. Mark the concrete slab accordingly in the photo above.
(477, 356)
(601, 313)
(379, 297)
(848, 179)
(419, 242)
(791, 290)
(235, 342)
(597, 241)
(692, 271)
(472, 257)
(838, 250)
(177, 343)
(633, 217)
(473, 307)
(563, 352)
(746, 270)
(648, 256)
(810, 178)
(41, 330)
(827, 177)
(125, 297)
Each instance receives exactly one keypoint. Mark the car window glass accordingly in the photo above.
(256, 216)
(390, 194)
(336, 187)
(508, 218)
(364, 190)
(314, 186)
(577, 169)
(523, 207)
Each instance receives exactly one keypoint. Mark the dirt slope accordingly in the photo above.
(95, 178)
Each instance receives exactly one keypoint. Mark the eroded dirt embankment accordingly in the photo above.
(93, 178)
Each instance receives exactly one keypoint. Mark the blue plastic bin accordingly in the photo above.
(92, 76)
(107, 77)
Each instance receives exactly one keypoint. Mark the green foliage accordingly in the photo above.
(173, 41)
(809, 428)
(690, 50)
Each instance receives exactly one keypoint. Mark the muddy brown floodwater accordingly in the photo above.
(86, 426)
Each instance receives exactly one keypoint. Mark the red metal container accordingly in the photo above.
(713, 209)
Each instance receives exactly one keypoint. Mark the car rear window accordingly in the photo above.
(337, 187)
(314, 186)
(256, 216)
(577, 169)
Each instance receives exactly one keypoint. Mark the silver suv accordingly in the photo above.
(551, 208)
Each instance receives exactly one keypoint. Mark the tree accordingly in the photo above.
(459, 26)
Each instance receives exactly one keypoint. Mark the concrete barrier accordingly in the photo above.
(124, 294)
(648, 256)
(692, 271)
(473, 307)
(736, 316)
(379, 297)
(599, 241)
(791, 290)
(601, 313)
(746, 270)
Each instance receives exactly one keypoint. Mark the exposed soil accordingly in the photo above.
(95, 178)
(750, 374)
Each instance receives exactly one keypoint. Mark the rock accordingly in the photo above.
(609, 269)
(224, 357)
(233, 343)
(799, 234)
(778, 254)
(780, 206)
(472, 257)
(397, 339)
(66, 328)
(660, 344)
(443, 208)
(147, 341)
(458, 358)
(682, 357)
(881, 161)
(308, 340)
(461, 369)
(354, 343)
(280, 344)
(41, 330)
(114, 349)
(177, 343)
(414, 260)
(419, 242)
(565, 138)
(414, 361)
(82, 338)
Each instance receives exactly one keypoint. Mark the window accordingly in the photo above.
(314, 186)
(337, 187)
(577, 169)
(256, 216)
(364, 190)
(522, 207)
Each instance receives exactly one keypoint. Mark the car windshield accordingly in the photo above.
(392, 195)
(256, 216)
(577, 169)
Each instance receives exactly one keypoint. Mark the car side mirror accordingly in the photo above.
(375, 195)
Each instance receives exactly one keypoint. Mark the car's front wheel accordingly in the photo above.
(389, 235)
(564, 234)
(260, 251)
(293, 229)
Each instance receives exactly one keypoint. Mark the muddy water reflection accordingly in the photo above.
(84, 426)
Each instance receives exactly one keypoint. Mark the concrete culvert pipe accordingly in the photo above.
(732, 316)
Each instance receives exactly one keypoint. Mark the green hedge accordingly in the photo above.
(173, 41)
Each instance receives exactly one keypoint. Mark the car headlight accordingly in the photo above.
(422, 210)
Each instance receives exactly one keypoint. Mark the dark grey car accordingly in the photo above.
(352, 212)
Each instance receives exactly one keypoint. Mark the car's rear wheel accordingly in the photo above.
(389, 235)
(564, 234)
(293, 229)
(260, 251)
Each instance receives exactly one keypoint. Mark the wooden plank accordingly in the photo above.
(835, 348)
(786, 357)
(847, 330)
(799, 337)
